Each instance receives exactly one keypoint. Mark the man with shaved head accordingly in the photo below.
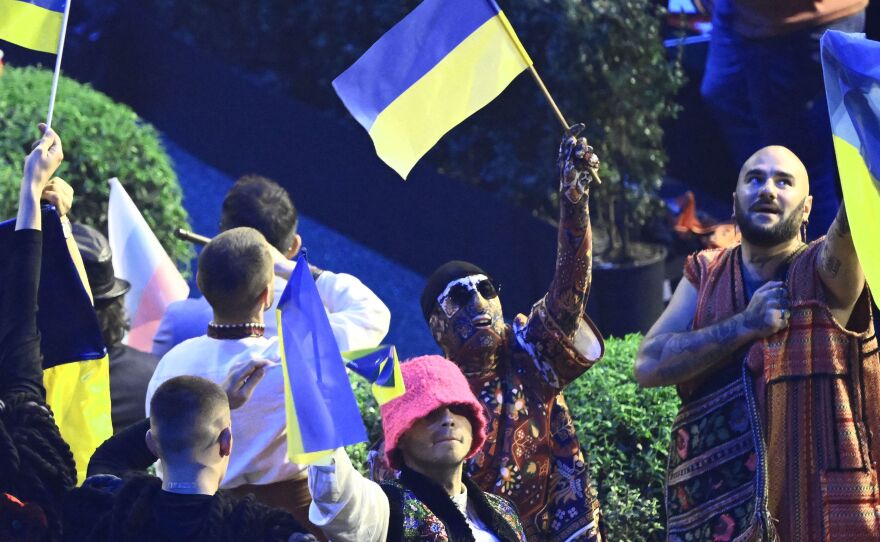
(772, 348)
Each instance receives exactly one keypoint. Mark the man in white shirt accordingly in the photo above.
(235, 273)
(429, 433)
(357, 316)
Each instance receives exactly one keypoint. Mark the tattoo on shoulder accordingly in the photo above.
(830, 264)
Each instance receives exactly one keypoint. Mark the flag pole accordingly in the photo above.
(525, 55)
(58, 63)
(540, 82)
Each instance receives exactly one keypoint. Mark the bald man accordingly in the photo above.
(772, 349)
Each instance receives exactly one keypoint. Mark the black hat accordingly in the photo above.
(440, 279)
(98, 261)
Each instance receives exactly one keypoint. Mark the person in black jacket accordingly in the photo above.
(190, 430)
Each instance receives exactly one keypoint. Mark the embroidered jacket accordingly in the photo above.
(421, 511)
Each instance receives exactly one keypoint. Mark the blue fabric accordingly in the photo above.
(771, 92)
(69, 329)
(855, 62)
(326, 409)
(51, 5)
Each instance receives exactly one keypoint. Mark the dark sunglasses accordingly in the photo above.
(460, 295)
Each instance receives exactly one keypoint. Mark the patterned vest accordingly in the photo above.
(422, 511)
(812, 403)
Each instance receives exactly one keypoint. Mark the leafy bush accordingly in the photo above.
(102, 139)
(603, 60)
(624, 429)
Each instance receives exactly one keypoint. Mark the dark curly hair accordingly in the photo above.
(36, 464)
(260, 203)
(113, 320)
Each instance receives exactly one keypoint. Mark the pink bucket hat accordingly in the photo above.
(431, 382)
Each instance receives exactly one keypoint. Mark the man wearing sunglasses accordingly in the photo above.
(532, 455)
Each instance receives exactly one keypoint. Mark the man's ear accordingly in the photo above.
(225, 441)
(808, 206)
(267, 296)
(152, 445)
(294, 246)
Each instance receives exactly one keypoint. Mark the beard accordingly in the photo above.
(786, 230)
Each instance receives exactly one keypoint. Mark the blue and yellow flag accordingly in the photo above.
(852, 83)
(436, 67)
(381, 368)
(76, 370)
(35, 24)
(322, 412)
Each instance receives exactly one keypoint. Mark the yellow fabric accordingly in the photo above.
(30, 26)
(861, 193)
(79, 394)
(467, 79)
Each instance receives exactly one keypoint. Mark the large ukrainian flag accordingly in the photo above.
(852, 83)
(35, 24)
(436, 67)
(76, 370)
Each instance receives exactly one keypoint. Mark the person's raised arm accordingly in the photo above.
(839, 268)
(671, 353)
(39, 166)
(20, 357)
(568, 292)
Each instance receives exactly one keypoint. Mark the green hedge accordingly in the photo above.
(102, 139)
(624, 430)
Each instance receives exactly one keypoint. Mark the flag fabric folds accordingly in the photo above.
(439, 65)
(35, 24)
(851, 64)
(322, 412)
(76, 370)
(139, 258)
(381, 368)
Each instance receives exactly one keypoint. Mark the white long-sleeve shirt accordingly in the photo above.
(358, 318)
(351, 508)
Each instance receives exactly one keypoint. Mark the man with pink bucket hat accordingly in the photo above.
(430, 432)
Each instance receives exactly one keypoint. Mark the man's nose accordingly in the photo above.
(480, 302)
(767, 191)
(446, 417)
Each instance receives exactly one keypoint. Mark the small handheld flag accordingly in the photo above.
(139, 258)
(851, 64)
(322, 412)
(380, 367)
(76, 370)
(442, 63)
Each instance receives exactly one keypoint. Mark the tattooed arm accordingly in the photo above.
(839, 268)
(671, 354)
(576, 166)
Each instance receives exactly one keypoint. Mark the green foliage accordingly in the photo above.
(603, 60)
(102, 139)
(370, 413)
(625, 431)
(623, 428)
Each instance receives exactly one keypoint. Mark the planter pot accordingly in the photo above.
(628, 298)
